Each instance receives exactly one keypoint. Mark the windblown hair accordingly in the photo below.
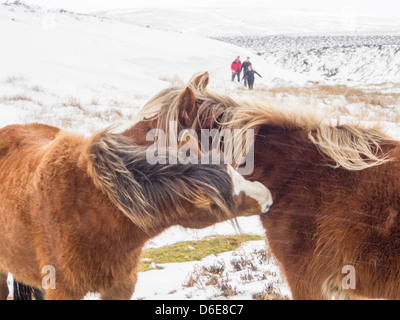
(352, 147)
(143, 191)
(165, 106)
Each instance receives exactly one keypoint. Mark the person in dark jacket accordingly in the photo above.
(245, 66)
(249, 74)
(236, 67)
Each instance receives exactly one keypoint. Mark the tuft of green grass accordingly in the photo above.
(194, 250)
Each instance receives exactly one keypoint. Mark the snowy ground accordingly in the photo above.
(240, 274)
(83, 72)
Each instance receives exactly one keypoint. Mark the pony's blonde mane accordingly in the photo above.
(353, 147)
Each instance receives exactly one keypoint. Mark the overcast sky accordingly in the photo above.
(389, 8)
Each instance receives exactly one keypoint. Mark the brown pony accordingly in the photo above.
(82, 209)
(334, 226)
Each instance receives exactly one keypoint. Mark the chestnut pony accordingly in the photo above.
(75, 213)
(334, 227)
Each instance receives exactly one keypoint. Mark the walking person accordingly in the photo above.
(245, 66)
(236, 67)
(249, 74)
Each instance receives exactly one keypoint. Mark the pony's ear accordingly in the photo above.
(201, 81)
(187, 107)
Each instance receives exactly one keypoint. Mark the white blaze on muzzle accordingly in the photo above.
(253, 189)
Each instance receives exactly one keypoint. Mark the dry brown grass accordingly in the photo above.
(223, 275)
(173, 81)
(352, 95)
(14, 98)
(227, 290)
(36, 88)
(73, 102)
(193, 280)
(269, 293)
(94, 102)
(13, 79)
(370, 103)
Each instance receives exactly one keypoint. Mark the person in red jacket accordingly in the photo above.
(236, 66)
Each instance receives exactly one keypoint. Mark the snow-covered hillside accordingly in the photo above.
(347, 59)
(212, 22)
(59, 61)
(334, 48)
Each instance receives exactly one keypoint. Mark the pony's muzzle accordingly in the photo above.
(262, 195)
(252, 189)
(265, 208)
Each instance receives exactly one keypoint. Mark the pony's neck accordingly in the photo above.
(129, 132)
(280, 155)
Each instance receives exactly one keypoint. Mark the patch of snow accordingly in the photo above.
(244, 272)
